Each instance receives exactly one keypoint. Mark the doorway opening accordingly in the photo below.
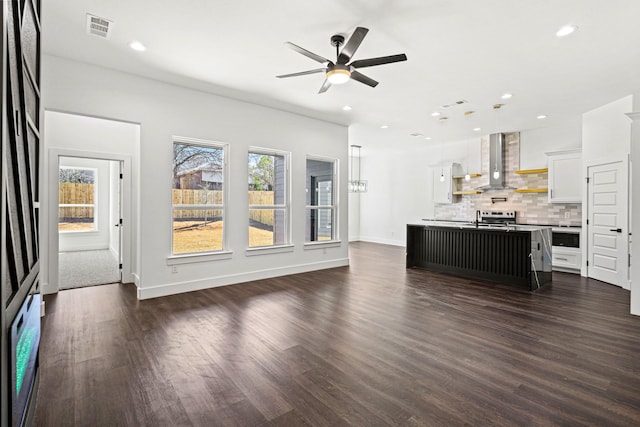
(89, 222)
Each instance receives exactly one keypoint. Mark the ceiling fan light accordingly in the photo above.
(338, 76)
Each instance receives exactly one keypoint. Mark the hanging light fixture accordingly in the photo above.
(356, 185)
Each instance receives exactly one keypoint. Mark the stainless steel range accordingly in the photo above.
(496, 217)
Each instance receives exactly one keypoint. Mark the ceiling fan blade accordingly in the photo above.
(303, 73)
(355, 75)
(325, 86)
(361, 63)
(352, 45)
(306, 53)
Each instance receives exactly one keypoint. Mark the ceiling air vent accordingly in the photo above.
(98, 26)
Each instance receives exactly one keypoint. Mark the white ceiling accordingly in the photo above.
(457, 49)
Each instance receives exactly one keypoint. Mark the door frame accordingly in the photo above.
(126, 229)
(586, 244)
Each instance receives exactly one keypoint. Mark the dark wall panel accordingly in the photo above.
(21, 157)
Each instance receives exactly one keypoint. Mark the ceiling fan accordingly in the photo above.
(342, 70)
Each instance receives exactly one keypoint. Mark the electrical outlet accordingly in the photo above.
(174, 269)
(567, 215)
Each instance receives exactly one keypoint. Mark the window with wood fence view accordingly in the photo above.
(76, 199)
(198, 198)
(268, 202)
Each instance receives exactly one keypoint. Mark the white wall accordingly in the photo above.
(606, 137)
(635, 207)
(164, 111)
(98, 238)
(606, 132)
(535, 142)
(82, 136)
(354, 217)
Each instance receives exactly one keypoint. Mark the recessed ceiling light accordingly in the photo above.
(542, 116)
(347, 108)
(384, 127)
(137, 46)
(436, 113)
(477, 129)
(566, 30)
(507, 96)
(428, 138)
(443, 119)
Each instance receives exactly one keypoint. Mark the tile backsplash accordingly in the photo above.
(531, 208)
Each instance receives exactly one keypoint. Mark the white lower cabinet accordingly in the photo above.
(566, 254)
(566, 259)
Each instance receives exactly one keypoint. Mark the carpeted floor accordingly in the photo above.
(87, 268)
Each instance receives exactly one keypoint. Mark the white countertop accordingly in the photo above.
(496, 227)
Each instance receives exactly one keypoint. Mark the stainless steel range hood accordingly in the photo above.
(497, 163)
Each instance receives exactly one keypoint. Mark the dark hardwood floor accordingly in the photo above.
(372, 344)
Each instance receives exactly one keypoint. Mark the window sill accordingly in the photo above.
(322, 245)
(193, 258)
(78, 232)
(266, 250)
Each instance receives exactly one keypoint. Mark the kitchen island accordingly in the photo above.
(517, 255)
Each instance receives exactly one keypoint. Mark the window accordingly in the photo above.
(76, 199)
(198, 196)
(320, 222)
(268, 198)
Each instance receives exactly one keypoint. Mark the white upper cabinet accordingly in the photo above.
(443, 182)
(565, 176)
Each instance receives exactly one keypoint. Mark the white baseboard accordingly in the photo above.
(135, 279)
(383, 241)
(232, 279)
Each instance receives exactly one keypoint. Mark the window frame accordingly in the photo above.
(96, 225)
(224, 252)
(335, 228)
(287, 246)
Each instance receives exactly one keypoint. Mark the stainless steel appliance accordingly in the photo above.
(496, 217)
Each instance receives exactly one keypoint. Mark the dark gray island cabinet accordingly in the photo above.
(515, 255)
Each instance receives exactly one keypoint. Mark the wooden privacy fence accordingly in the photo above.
(263, 216)
(82, 194)
(70, 193)
(213, 197)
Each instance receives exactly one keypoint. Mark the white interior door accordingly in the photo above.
(607, 224)
(115, 211)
